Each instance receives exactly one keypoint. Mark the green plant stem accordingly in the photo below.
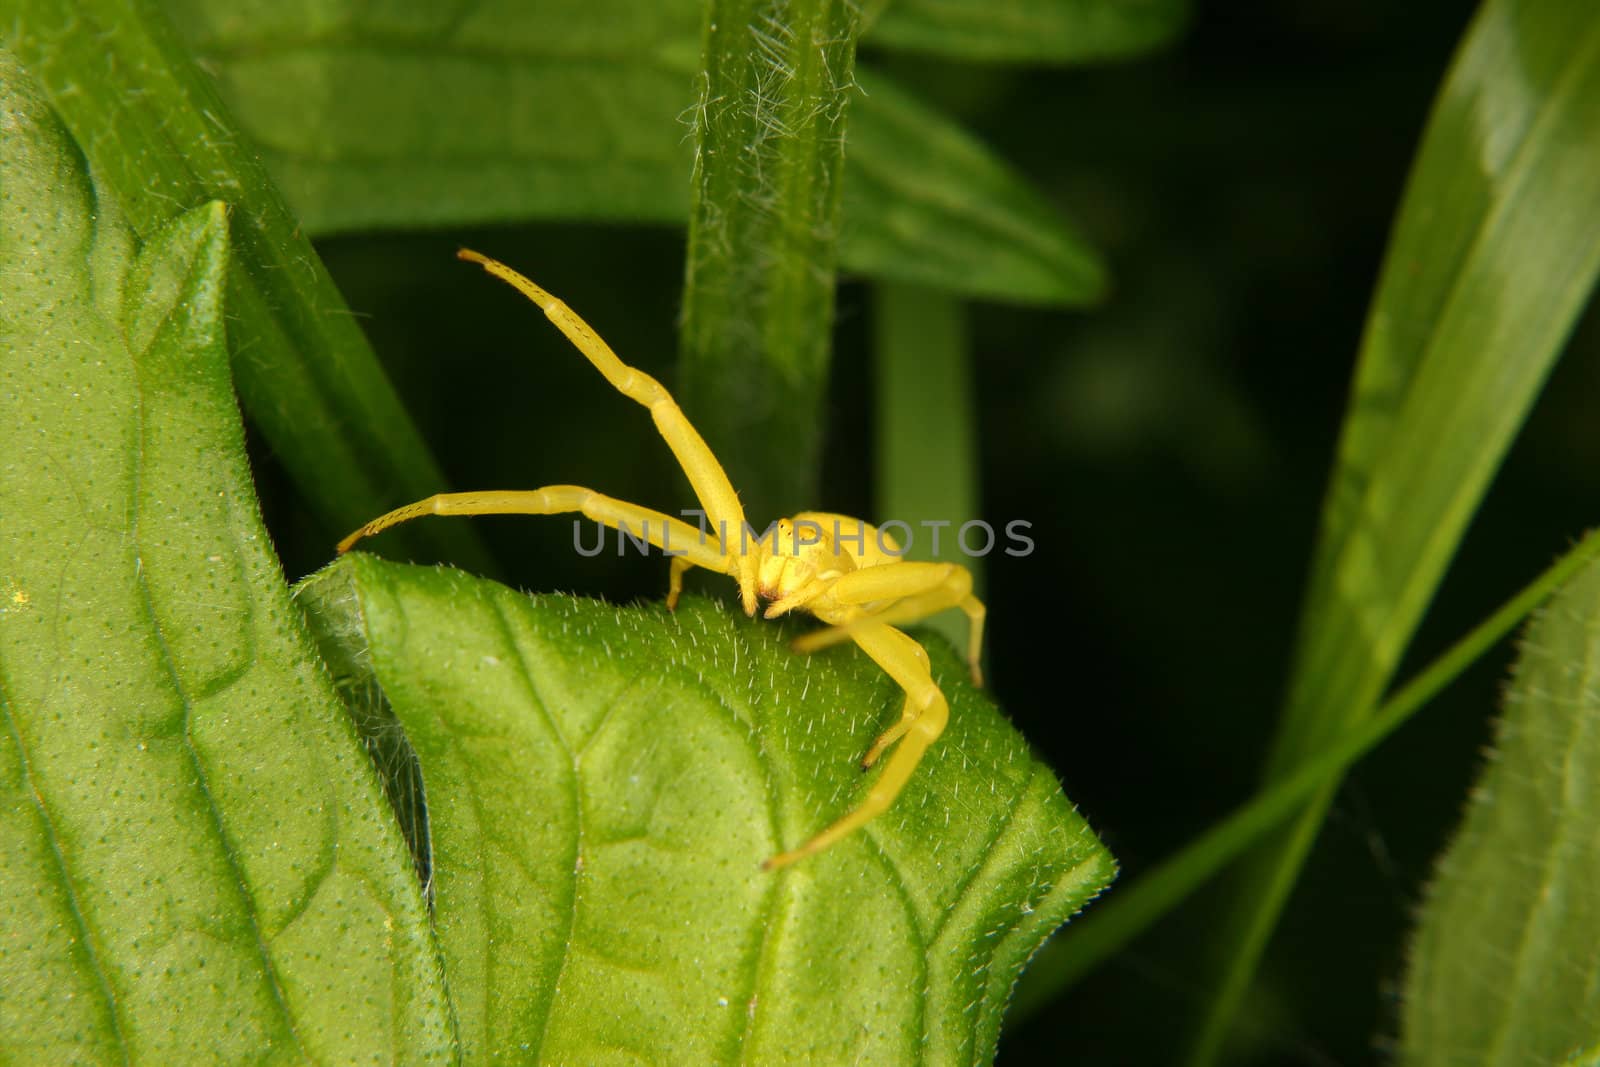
(157, 134)
(763, 230)
(1109, 927)
(926, 449)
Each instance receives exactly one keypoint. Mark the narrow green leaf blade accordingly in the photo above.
(603, 784)
(409, 116)
(162, 141)
(1484, 279)
(1029, 31)
(1502, 967)
(198, 864)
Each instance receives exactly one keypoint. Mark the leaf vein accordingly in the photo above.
(229, 848)
(574, 758)
(86, 936)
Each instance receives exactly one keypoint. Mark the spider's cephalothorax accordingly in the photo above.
(815, 546)
(845, 572)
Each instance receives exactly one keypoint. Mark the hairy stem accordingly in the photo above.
(763, 234)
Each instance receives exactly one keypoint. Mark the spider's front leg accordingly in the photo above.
(710, 482)
(922, 720)
(670, 535)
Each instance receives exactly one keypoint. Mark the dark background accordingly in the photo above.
(1170, 448)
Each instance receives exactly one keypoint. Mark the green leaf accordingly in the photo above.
(162, 142)
(1502, 968)
(603, 783)
(925, 203)
(198, 862)
(405, 116)
(757, 325)
(1029, 31)
(1484, 279)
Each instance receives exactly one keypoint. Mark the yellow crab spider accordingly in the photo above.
(853, 581)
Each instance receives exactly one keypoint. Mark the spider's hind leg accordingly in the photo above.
(911, 591)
